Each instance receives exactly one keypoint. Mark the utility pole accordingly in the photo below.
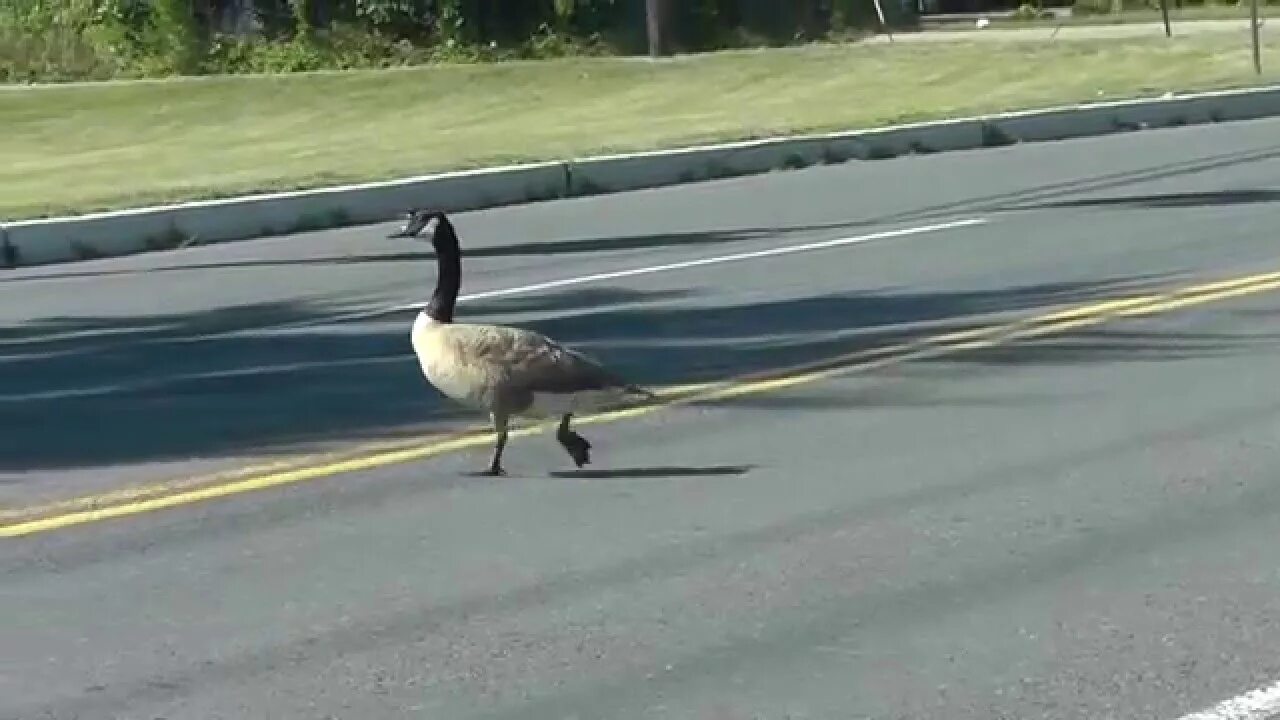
(1253, 30)
(653, 23)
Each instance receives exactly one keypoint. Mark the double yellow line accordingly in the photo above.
(94, 508)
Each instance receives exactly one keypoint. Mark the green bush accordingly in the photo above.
(57, 40)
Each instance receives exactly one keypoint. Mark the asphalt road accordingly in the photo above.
(1080, 526)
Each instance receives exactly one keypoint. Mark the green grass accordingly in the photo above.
(83, 148)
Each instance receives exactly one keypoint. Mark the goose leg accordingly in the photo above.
(576, 445)
(500, 425)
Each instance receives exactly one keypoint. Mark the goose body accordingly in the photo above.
(504, 371)
(492, 367)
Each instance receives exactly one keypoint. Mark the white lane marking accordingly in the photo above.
(580, 280)
(715, 260)
(1260, 704)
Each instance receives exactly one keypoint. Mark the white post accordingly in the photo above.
(883, 24)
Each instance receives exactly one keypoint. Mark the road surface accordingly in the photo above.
(1078, 524)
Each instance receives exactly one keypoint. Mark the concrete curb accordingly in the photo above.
(53, 240)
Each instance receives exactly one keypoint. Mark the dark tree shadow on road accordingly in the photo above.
(89, 391)
(1171, 200)
(576, 246)
(1052, 192)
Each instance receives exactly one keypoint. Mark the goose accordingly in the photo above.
(508, 372)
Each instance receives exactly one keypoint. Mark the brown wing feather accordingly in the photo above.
(543, 365)
(531, 362)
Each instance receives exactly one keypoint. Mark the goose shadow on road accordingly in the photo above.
(655, 472)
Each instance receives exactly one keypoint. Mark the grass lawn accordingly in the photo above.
(82, 148)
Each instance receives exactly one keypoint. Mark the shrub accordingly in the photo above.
(55, 40)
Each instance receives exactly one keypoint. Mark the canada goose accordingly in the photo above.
(505, 371)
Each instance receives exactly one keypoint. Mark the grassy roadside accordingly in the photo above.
(82, 148)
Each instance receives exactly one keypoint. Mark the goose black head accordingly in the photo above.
(416, 221)
(443, 237)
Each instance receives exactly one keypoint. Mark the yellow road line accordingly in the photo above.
(147, 491)
(114, 505)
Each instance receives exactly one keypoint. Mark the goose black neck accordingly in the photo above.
(448, 273)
